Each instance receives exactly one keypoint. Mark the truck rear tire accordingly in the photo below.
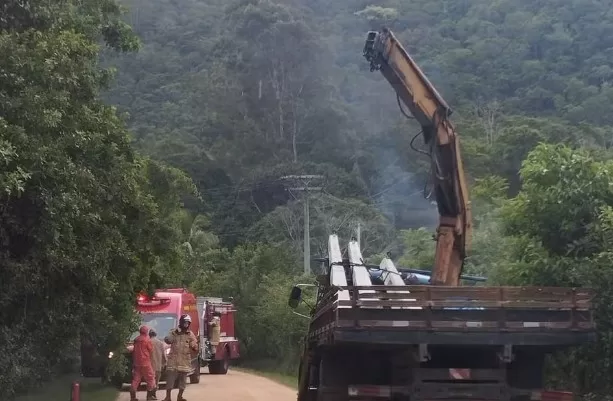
(526, 372)
(117, 381)
(220, 367)
(195, 377)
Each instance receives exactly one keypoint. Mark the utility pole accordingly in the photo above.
(307, 235)
(359, 231)
(301, 183)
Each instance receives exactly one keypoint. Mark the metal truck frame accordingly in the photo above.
(430, 343)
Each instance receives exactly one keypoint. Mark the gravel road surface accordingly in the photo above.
(234, 386)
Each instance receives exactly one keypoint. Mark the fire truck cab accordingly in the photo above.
(161, 312)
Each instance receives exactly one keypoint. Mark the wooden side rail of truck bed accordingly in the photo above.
(407, 314)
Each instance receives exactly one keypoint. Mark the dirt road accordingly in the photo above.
(234, 386)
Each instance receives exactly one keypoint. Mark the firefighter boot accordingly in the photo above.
(133, 395)
(151, 395)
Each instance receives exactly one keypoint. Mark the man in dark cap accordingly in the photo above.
(158, 359)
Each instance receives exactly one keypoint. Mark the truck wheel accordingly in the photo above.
(220, 367)
(117, 381)
(333, 377)
(195, 377)
(526, 372)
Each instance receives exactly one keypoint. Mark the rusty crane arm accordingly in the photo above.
(386, 54)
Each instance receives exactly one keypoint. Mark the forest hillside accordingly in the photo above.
(149, 143)
(241, 94)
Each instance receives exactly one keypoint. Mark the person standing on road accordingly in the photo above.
(215, 331)
(158, 360)
(141, 364)
(183, 344)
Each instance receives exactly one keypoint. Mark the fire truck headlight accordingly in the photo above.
(110, 355)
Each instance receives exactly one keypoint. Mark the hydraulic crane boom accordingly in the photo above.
(413, 88)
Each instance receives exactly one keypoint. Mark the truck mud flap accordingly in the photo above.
(372, 392)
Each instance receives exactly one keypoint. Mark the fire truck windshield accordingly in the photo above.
(162, 323)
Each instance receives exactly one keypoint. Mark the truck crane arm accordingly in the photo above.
(386, 54)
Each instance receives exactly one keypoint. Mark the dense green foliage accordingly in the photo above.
(236, 95)
(84, 221)
(558, 232)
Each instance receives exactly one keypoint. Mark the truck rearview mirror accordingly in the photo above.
(295, 297)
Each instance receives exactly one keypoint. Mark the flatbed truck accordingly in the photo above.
(441, 341)
(431, 343)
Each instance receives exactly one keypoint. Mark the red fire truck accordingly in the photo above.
(217, 357)
(162, 312)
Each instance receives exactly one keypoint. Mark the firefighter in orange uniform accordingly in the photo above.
(183, 344)
(141, 365)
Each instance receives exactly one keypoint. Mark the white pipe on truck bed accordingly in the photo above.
(337, 271)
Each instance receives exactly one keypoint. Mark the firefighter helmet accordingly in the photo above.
(185, 319)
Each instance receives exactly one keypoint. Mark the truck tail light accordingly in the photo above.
(552, 396)
(459, 374)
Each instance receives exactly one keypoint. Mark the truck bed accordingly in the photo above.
(383, 314)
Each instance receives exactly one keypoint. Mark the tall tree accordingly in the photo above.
(84, 221)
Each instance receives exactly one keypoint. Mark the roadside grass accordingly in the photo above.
(285, 379)
(92, 389)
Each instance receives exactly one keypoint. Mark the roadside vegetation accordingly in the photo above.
(142, 144)
(59, 390)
